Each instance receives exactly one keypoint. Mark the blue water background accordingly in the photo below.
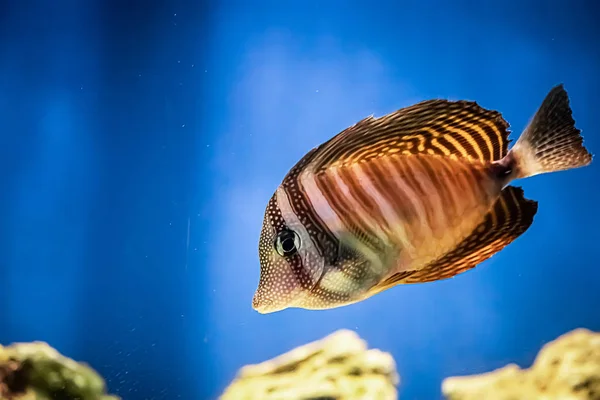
(140, 142)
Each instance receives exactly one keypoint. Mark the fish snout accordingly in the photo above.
(261, 305)
(276, 292)
(264, 304)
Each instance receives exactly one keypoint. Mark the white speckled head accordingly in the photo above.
(290, 265)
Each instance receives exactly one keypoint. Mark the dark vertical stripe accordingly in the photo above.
(348, 215)
(423, 197)
(323, 239)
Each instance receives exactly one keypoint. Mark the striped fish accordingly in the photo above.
(419, 195)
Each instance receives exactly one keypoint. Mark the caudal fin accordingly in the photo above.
(551, 142)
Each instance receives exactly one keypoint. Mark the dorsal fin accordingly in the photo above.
(510, 217)
(460, 129)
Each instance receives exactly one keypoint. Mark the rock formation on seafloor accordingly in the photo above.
(339, 367)
(567, 368)
(35, 371)
(336, 367)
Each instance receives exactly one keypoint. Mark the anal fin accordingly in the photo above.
(509, 218)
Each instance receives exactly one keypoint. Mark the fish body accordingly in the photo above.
(412, 209)
(418, 195)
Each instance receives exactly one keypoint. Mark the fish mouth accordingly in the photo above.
(273, 296)
(277, 295)
(265, 305)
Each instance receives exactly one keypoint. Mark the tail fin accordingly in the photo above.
(550, 142)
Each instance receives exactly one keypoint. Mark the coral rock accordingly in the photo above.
(338, 367)
(35, 371)
(567, 368)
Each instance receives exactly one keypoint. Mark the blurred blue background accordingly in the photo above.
(140, 142)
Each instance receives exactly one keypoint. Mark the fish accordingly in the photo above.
(419, 195)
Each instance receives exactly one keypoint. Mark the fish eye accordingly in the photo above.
(287, 243)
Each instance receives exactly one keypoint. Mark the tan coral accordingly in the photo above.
(36, 371)
(338, 366)
(567, 368)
